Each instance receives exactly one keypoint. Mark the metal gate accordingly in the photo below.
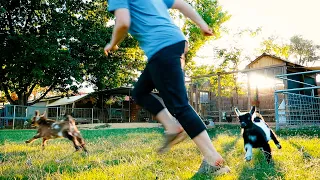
(297, 107)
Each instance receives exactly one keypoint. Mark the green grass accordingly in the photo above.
(131, 154)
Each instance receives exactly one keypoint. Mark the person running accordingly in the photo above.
(164, 45)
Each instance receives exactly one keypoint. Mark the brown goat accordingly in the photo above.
(51, 129)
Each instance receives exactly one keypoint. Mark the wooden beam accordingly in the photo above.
(249, 91)
(240, 71)
(219, 96)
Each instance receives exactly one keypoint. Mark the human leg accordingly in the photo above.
(168, 78)
(142, 94)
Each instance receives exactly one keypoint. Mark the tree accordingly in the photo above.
(272, 45)
(56, 43)
(231, 60)
(227, 60)
(303, 50)
(2, 97)
(214, 16)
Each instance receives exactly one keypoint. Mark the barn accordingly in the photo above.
(258, 82)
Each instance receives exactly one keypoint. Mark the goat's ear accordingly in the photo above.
(70, 119)
(253, 110)
(236, 110)
(36, 113)
(44, 114)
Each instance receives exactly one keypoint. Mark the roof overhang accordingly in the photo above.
(67, 100)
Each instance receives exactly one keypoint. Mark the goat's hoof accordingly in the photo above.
(27, 142)
(248, 158)
(278, 146)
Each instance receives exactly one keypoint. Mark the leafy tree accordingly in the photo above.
(230, 60)
(214, 16)
(228, 81)
(54, 43)
(303, 50)
(202, 82)
(272, 45)
(2, 97)
(229, 85)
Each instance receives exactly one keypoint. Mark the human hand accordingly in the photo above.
(206, 30)
(109, 48)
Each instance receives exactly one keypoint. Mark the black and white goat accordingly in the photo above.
(256, 133)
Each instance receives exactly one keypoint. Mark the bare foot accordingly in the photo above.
(215, 160)
(171, 140)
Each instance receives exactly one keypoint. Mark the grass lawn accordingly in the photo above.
(131, 154)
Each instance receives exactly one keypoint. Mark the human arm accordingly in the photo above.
(120, 29)
(188, 11)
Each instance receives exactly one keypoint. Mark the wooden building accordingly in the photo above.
(259, 84)
(125, 110)
(262, 80)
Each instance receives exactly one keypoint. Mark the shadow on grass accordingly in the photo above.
(229, 146)
(312, 131)
(15, 155)
(198, 176)
(260, 169)
(31, 168)
(227, 129)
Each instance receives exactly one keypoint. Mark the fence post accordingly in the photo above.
(129, 107)
(26, 112)
(191, 94)
(196, 106)
(276, 115)
(57, 111)
(91, 115)
(219, 97)
(14, 116)
(249, 91)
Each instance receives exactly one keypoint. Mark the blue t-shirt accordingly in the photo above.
(151, 23)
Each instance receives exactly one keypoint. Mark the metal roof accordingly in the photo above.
(117, 91)
(292, 64)
(67, 100)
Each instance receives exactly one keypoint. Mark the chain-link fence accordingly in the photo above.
(298, 107)
(15, 116)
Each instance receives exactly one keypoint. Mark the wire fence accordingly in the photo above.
(17, 117)
(214, 96)
(297, 107)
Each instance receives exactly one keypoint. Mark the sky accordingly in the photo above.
(283, 18)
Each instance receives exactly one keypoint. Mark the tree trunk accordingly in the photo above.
(22, 99)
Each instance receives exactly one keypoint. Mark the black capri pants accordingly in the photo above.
(164, 72)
